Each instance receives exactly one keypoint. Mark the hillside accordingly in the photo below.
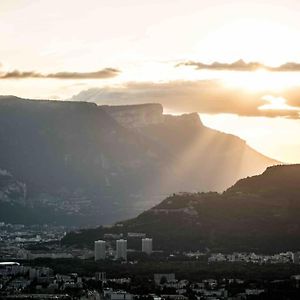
(260, 213)
(87, 164)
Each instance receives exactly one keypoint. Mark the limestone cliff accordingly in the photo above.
(135, 116)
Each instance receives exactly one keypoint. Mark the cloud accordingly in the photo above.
(102, 74)
(241, 65)
(203, 96)
(277, 103)
(287, 67)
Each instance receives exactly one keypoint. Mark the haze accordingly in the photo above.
(137, 51)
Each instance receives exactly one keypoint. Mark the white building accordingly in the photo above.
(100, 250)
(296, 258)
(100, 276)
(116, 295)
(121, 251)
(147, 245)
(170, 277)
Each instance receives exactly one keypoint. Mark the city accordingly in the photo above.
(36, 265)
(149, 150)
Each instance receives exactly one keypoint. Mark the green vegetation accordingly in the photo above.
(259, 214)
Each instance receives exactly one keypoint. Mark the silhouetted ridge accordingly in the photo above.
(95, 165)
(280, 177)
(260, 214)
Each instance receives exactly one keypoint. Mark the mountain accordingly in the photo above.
(10, 189)
(15, 207)
(260, 213)
(88, 164)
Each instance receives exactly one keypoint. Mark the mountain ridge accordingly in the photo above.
(262, 220)
(102, 164)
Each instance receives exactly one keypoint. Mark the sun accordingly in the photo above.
(276, 103)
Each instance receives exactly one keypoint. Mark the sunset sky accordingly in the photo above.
(237, 63)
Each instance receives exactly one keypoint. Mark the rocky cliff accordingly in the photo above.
(135, 116)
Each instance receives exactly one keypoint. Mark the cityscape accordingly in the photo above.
(25, 271)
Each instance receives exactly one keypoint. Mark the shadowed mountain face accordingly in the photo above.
(92, 165)
(260, 213)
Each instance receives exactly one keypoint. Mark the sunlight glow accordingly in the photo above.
(254, 36)
(276, 103)
(261, 80)
(275, 137)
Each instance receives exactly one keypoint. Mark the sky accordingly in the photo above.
(237, 63)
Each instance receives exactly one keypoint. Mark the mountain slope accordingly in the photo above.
(203, 159)
(93, 165)
(72, 156)
(260, 213)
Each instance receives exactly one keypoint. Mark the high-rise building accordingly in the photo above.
(296, 258)
(100, 276)
(121, 251)
(147, 245)
(100, 250)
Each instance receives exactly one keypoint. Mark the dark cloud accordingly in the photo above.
(205, 96)
(102, 74)
(241, 65)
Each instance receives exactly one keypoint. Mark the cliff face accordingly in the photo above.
(199, 158)
(135, 116)
(93, 165)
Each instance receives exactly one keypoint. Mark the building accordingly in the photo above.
(116, 295)
(159, 278)
(42, 254)
(100, 250)
(100, 276)
(147, 245)
(296, 258)
(121, 249)
(136, 235)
